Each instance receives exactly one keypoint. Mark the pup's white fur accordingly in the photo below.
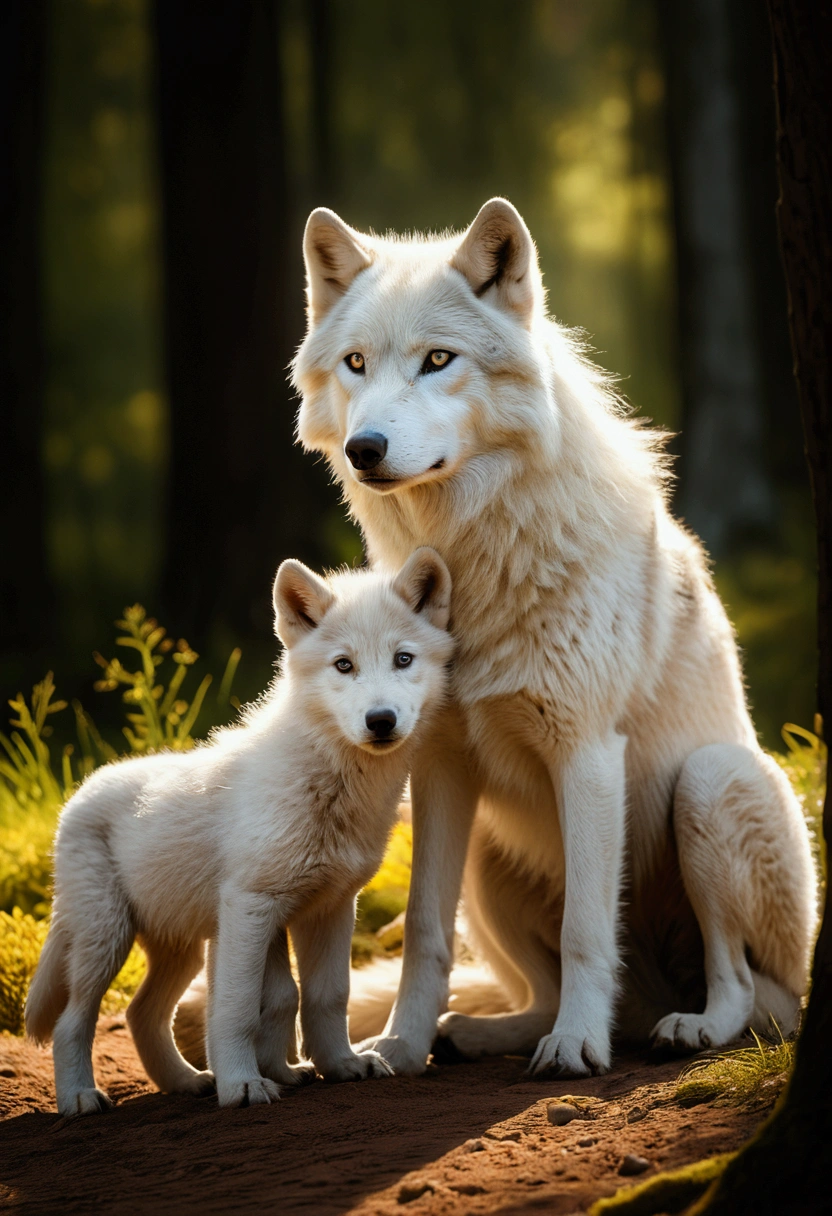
(273, 825)
(598, 733)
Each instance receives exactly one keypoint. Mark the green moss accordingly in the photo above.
(666, 1193)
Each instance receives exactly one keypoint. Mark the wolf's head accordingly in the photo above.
(367, 653)
(420, 355)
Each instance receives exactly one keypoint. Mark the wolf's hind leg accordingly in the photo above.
(97, 951)
(506, 915)
(150, 1017)
(747, 869)
(276, 1039)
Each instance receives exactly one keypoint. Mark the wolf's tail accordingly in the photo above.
(372, 992)
(49, 991)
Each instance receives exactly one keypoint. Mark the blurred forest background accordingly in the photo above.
(158, 163)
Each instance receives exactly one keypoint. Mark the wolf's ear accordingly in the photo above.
(334, 255)
(301, 600)
(424, 583)
(498, 258)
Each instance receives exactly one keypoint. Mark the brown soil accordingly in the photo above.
(464, 1139)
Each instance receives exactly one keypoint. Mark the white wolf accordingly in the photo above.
(274, 824)
(597, 733)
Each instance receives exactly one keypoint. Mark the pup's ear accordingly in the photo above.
(424, 583)
(301, 600)
(497, 256)
(334, 255)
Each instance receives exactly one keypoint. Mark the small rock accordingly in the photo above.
(633, 1164)
(501, 1136)
(559, 1113)
(468, 1188)
(473, 1146)
(414, 1189)
(636, 1114)
(587, 1142)
(8, 1072)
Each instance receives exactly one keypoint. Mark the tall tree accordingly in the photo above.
(724, 488)
(239, 497)
(25, 589)
(784, 1168)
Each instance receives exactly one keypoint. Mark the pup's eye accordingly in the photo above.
(355, 362)
(343, 665)
(403, 659)
(436, 360)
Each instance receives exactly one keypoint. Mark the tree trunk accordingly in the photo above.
(723, 490)
(784, 1169)
(25, 586)
(239, 498)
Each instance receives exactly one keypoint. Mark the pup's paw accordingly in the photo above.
(199, 1084)
(300, 1074)
(569, 1055)
(358, 1067)
(254, 1091)
(399, 1054)
(683, 1033)
(460, 1037)
(85, 1102)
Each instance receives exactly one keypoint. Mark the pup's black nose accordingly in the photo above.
(381, 722)
(367, 450)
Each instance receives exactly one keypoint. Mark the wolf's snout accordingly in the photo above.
(366, 450)
(381, 722)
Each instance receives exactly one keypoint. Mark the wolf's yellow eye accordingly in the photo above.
(355, 362)
(436, 360)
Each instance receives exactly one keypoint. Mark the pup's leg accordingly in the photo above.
(322, 944)
(99, 946)
(747, 869)
(444, 800)
(247, 925)
(150, 1017)
(517, 929)
(276, 1037)
(590, 785)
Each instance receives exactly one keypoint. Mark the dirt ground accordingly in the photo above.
(465, 1138)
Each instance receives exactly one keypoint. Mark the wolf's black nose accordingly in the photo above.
(367, 450)
(381, 722)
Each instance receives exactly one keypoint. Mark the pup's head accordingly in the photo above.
(367, 653)
(419, 355)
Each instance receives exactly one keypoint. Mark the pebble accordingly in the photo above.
(409, 1191)
(587, 1142)
(636, 1114)
(473, 1146)
(633, 1164)
(559, 1113)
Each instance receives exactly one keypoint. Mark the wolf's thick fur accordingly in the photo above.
(274, 824)
(598, 739)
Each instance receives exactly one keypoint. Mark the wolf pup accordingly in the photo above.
(275, 824)
(598, 725)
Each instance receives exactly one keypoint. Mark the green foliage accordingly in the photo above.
(735, 1077)
(671, 1192)
(805, 764)
(21, 941)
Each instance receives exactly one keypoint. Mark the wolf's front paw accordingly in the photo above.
(398, 1053)
(358, 1067)
(85, 1102)
(569, 1055)
(252, 1091)
(683, 1033)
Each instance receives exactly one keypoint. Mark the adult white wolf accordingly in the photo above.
(274, 824)
(598, 732)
